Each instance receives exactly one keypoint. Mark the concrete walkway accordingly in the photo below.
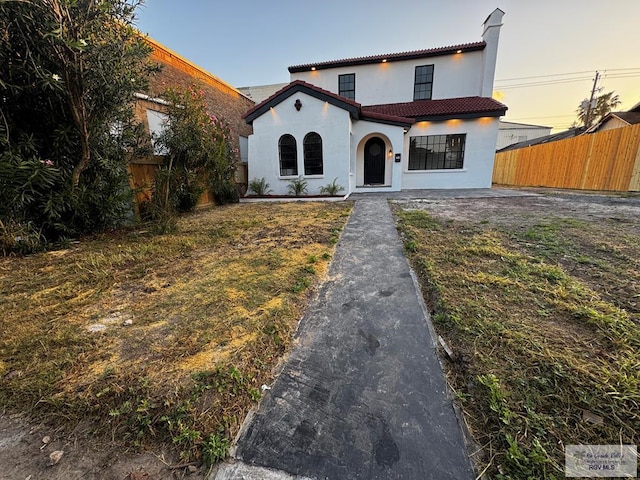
(362, 395)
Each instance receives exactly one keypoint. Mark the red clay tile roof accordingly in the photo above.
(298, 85)
(390, 57)
(393, 113)
(353, 107)
(448, 107)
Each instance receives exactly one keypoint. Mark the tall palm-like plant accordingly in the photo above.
(603, 105)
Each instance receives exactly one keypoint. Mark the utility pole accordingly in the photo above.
(587, 120)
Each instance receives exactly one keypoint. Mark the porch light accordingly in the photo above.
(384, 60)
(313, 69)
(458, 51)
(390, 153)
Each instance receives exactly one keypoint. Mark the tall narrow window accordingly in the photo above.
(288, 155)
(437, 152)
(347, 85)
(423, 86)
(312, 154)
(158, 123)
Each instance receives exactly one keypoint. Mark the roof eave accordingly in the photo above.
(279, 97)
(459, 116)
(387, 120)
(393, 57)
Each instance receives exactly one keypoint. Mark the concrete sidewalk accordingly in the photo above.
(362, 395)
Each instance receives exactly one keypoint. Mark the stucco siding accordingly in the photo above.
(330, 122)
(392, 82)
(394, 142)
(479, 154)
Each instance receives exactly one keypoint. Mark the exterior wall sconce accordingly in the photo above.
(390, 153)
(298, 104)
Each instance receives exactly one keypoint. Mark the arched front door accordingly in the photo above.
(374, 160)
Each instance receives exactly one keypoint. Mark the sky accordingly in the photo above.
(548, 53)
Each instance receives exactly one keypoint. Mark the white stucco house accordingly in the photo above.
(411, 120)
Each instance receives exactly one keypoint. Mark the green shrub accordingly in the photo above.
(259, 186)
(332, 188)
(297, 187)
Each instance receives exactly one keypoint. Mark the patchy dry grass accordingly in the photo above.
(188, 325)
(543, 318)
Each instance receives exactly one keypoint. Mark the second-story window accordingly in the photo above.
(347, 85)
(423, 86)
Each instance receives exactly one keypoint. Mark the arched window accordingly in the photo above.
(288, 155)
(312, 154)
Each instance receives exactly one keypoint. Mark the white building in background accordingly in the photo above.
(411, 120)
(511, 132)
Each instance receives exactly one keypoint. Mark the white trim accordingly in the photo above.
(142, 96)
(440, 170)
(294, 199)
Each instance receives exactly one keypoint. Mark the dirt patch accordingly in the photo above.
(521, 210)
(24, 455)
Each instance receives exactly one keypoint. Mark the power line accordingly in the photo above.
(540, 84)
(561, 81)
(549, 116)
(544, 76)
(568, 73)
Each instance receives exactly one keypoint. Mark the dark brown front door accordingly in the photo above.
(374, 161)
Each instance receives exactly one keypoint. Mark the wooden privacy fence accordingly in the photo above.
(141, 175)
(608, 160)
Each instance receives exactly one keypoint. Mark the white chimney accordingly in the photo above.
(490, 34)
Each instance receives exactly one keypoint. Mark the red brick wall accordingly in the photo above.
(222, 99)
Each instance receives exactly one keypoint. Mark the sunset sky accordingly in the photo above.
(547, 58)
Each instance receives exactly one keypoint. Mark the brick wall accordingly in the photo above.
(222, 99)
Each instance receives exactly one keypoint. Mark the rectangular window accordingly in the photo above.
(347, 85)
(423, 86)
(437, 152)
(158, 122)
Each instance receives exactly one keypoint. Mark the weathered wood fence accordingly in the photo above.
(608, 160)
(141, 175)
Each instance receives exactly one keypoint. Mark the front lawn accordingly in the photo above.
(155, 339)
(542, 315)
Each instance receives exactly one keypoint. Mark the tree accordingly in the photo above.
(68, 72)
(199, 155)
(602, 105)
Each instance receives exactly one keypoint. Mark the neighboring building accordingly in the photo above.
(261, 92)
(511, 132)
(617, 120)
(222, 99)
(570, 133)
(421, 119)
